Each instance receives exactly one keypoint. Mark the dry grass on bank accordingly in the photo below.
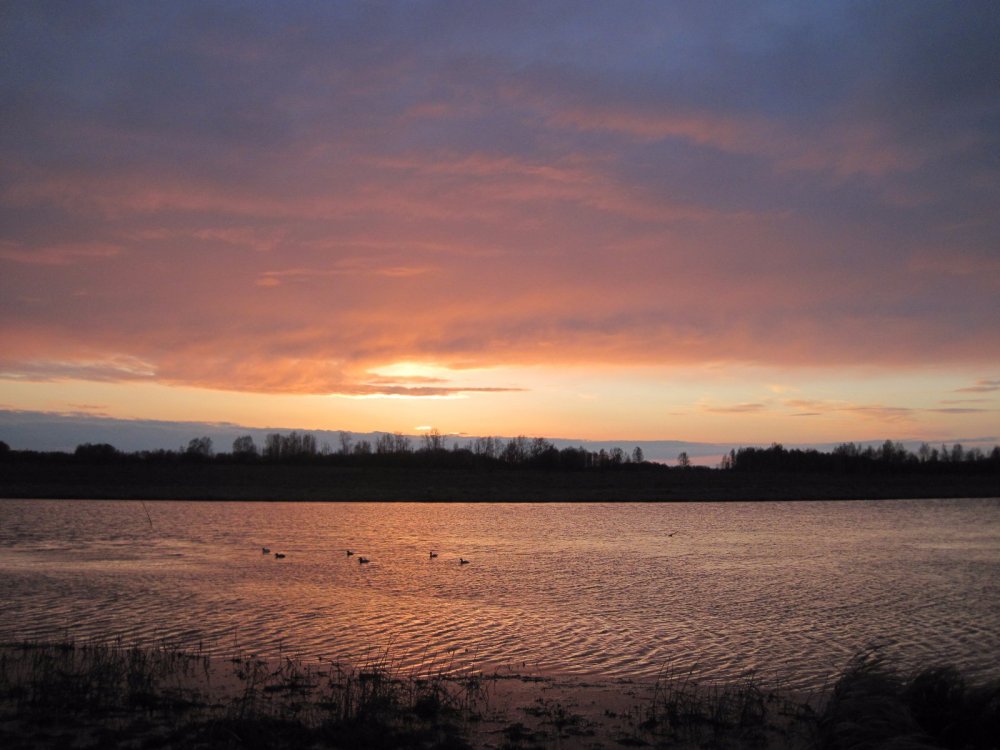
(109, 695)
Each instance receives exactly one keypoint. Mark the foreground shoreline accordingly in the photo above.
(193, 481)
(109, 695)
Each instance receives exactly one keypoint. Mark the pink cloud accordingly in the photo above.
(959, 263)
(326, 257)
(843, 149)
(57, 255)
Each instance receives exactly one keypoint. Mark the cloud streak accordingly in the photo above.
(982, 386)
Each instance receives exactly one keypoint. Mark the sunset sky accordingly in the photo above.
(741, 222)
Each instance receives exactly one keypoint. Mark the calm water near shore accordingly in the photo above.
(791, 590)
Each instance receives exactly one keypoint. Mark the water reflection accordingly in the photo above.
(791, 589)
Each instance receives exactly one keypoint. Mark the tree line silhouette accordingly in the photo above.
(890, 457)
(388, 449)
(432, 451)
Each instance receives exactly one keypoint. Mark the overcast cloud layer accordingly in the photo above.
(280, 197)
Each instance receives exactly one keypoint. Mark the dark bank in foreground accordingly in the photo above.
(109, 695)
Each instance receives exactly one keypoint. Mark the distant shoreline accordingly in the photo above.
(310, 482)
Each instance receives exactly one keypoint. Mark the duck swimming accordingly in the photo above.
(279, 555)
(362, 560)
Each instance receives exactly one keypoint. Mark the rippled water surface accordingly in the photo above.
(791, 590)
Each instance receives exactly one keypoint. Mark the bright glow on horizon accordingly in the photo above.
(408, 370)
(638, 404)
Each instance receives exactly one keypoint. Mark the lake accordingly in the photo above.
(791, 590)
